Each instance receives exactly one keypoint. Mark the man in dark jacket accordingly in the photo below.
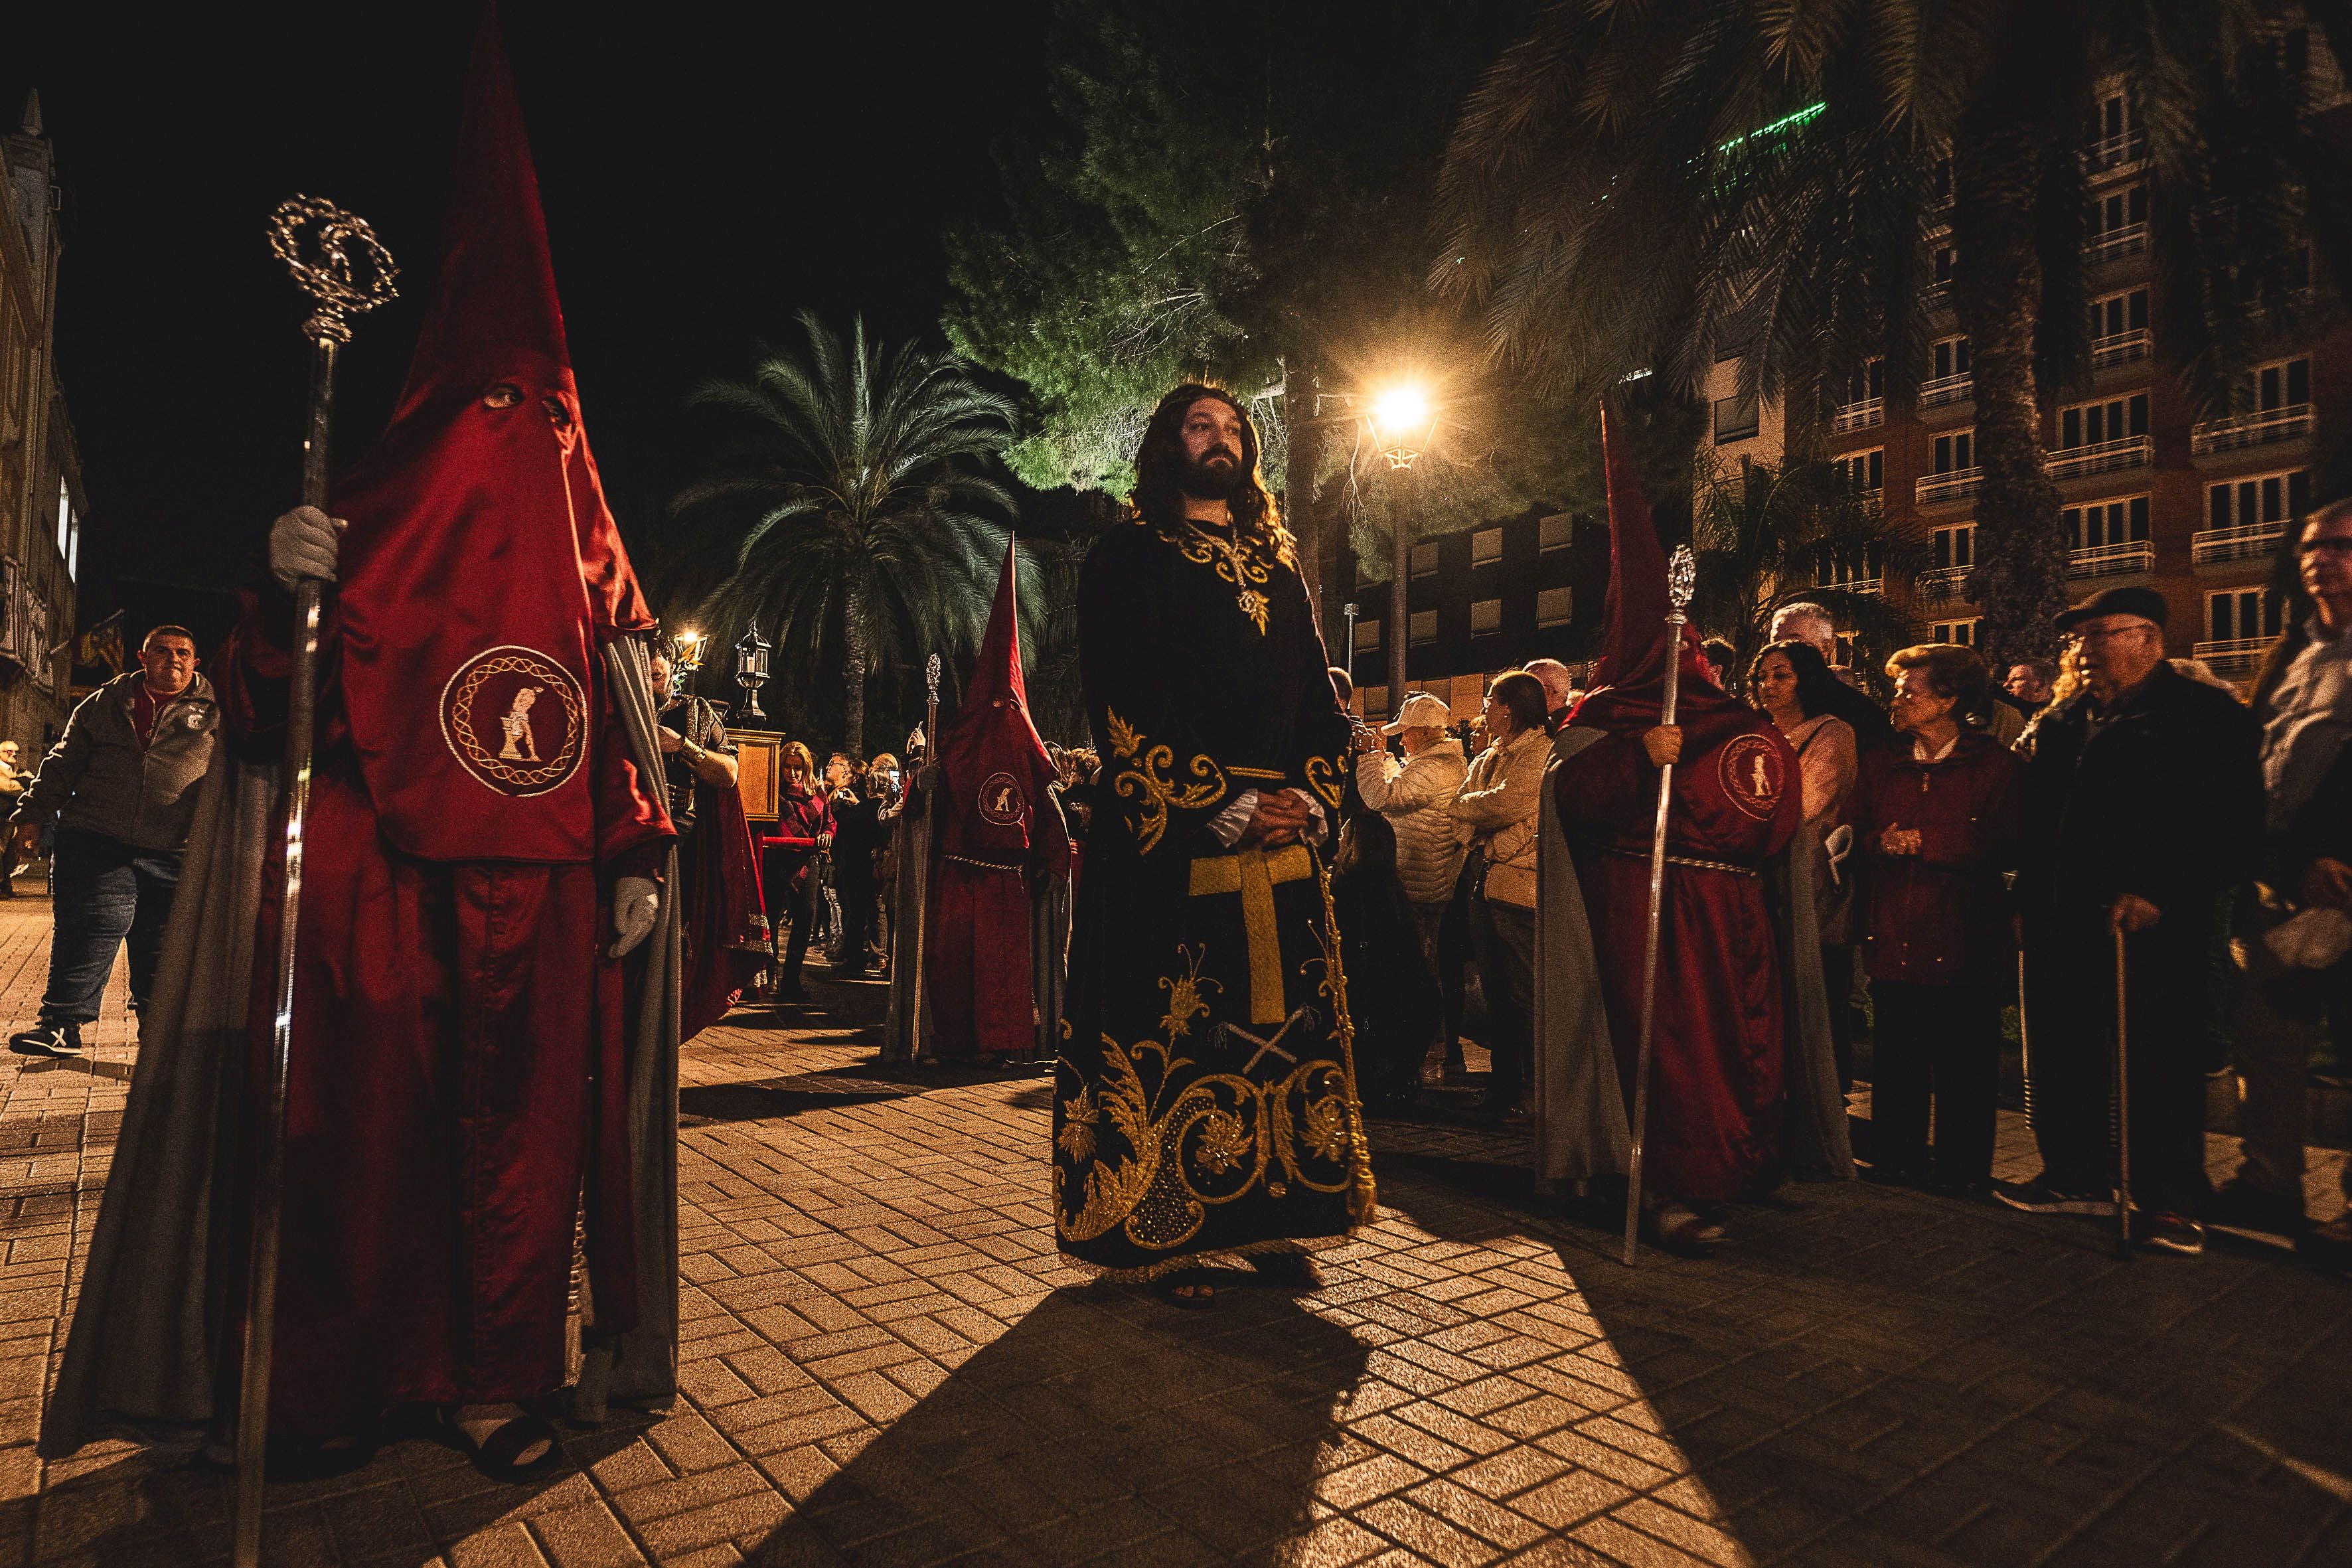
(122, 783)
(1811, 623)
(2143, 807)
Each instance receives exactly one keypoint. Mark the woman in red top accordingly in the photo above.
(803, 830)
(1937, 814)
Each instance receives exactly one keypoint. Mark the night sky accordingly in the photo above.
(706, 171)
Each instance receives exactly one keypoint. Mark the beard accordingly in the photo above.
(1206, 478)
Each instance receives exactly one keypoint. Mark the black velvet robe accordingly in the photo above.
(1205, 1099)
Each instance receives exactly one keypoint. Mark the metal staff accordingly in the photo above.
(335, 260)
(2122, 1109)
(1682, 574)
(922, 842)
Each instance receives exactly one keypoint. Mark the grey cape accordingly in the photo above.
(150, 1330)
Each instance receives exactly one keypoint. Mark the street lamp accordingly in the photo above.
(751, 669)
(1401, 424)
(685, 659)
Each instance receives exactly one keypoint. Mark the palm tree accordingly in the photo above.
(1768, 537)
(846, 503)
(1656, 185)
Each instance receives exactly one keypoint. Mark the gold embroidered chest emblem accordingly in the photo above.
(1237, 563)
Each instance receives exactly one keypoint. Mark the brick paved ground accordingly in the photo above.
(885, 1362)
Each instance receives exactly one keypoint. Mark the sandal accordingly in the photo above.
(1198, 1280)
(501, 1455)
(1292, 1271)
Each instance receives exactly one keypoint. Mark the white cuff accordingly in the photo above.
(1230, 824)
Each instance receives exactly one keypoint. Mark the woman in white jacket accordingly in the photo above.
(1416, 796)
(1498, 806)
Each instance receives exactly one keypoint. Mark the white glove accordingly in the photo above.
(305, 542)
(1840, 844)
(636, 901)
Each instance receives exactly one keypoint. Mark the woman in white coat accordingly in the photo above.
(1416, 794)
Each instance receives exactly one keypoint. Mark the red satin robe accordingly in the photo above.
(458, 1081)
(1716, 1056)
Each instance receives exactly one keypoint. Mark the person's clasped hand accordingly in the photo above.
(1664, 743)
(305, 542)
(1899, 841)
(1279, 820)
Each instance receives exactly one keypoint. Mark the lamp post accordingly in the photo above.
(1349, 662)
(751, 669)
(1401, 424)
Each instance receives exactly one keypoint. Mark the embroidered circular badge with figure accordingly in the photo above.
(1752, 774)
(515, 720)
(1001, 800)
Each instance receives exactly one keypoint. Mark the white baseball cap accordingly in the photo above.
(1420, 711)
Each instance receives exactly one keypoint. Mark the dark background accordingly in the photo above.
(707, 172)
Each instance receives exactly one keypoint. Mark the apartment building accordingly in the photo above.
(2149, 493)
(41, 497)
(1480, 601)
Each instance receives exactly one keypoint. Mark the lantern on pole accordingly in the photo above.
(751, 669)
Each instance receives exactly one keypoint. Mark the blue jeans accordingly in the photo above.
(107, 891)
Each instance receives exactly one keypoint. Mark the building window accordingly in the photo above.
(1486, 616)
(1956, 451)
(1557, 531)
(2265, 498)
(1425, 560)
(1954, 548)
(69, 530)
(1962, 632)
(1736, 419)
(1555, 607)
(2115, 314)
(1375, 700)
(2112, 215)
(1864, 472)
(1368, 636)
(2239, 615)
(1950, 358)
(2281, 385)
(1422, 627)
(1485, 545)
(1946, 258)
(2120, 521)
(2095, 423)
(1867, 382)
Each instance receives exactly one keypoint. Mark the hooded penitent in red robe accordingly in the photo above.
(998, 832)
(459, 1064)
(1716, 1058)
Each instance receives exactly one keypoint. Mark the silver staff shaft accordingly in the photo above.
(2123, 1105)
(1679, 576)
(336, 259)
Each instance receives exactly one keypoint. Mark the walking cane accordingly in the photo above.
(1682, 574)
(2122, 1109)
(337, 261)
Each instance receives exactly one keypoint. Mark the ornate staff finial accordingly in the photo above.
(1682, 578)
(932, 676)
(336, 259)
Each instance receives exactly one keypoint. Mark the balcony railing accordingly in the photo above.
(2111, 560)
(2100, 458)
(1872, 502)
(1939, 489)
(2124, 150)
(1872, 585)
(1861, 415)
(2116, 242)
(1942, 583)
(1946, 389)
(2209, 545)
(2259, 428)
(2234, 656)
(2120, 348)
(1937, 296)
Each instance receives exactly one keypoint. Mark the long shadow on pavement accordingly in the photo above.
(1104, 1419)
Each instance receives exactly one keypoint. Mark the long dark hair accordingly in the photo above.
(1159, 496)
(1815, 680)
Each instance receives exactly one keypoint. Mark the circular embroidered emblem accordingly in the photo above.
(514, 719)
(1001, 800)
(1752, 774)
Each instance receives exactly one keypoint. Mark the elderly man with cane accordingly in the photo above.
(2143, 799)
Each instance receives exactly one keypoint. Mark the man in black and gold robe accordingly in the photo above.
(1205, 1101)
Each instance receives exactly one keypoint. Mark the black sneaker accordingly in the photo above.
(2038, 1197)
(2238, 1203)
(46, 1039)
(2172, 1232)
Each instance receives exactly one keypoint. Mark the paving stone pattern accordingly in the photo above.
(886, 1363)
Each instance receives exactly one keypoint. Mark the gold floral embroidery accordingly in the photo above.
(1323, 778)
(1237, 563)
(1224, 1141)
(1326, 1132)
(1147, 779)
(1186, 1002)
(1076, 1138)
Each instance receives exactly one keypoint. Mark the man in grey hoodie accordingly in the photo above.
(121, 783)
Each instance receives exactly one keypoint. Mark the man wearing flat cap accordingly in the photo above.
(2143, 805)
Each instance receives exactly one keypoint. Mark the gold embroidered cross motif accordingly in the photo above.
(1146, 779)
(1234, 562)
(1252, 873)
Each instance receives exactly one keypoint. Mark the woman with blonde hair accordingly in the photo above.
(787, 875)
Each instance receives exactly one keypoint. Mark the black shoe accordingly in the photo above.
(2171, 1232)
(47, 1039)
(2038, 1197)
(2238, 1203)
